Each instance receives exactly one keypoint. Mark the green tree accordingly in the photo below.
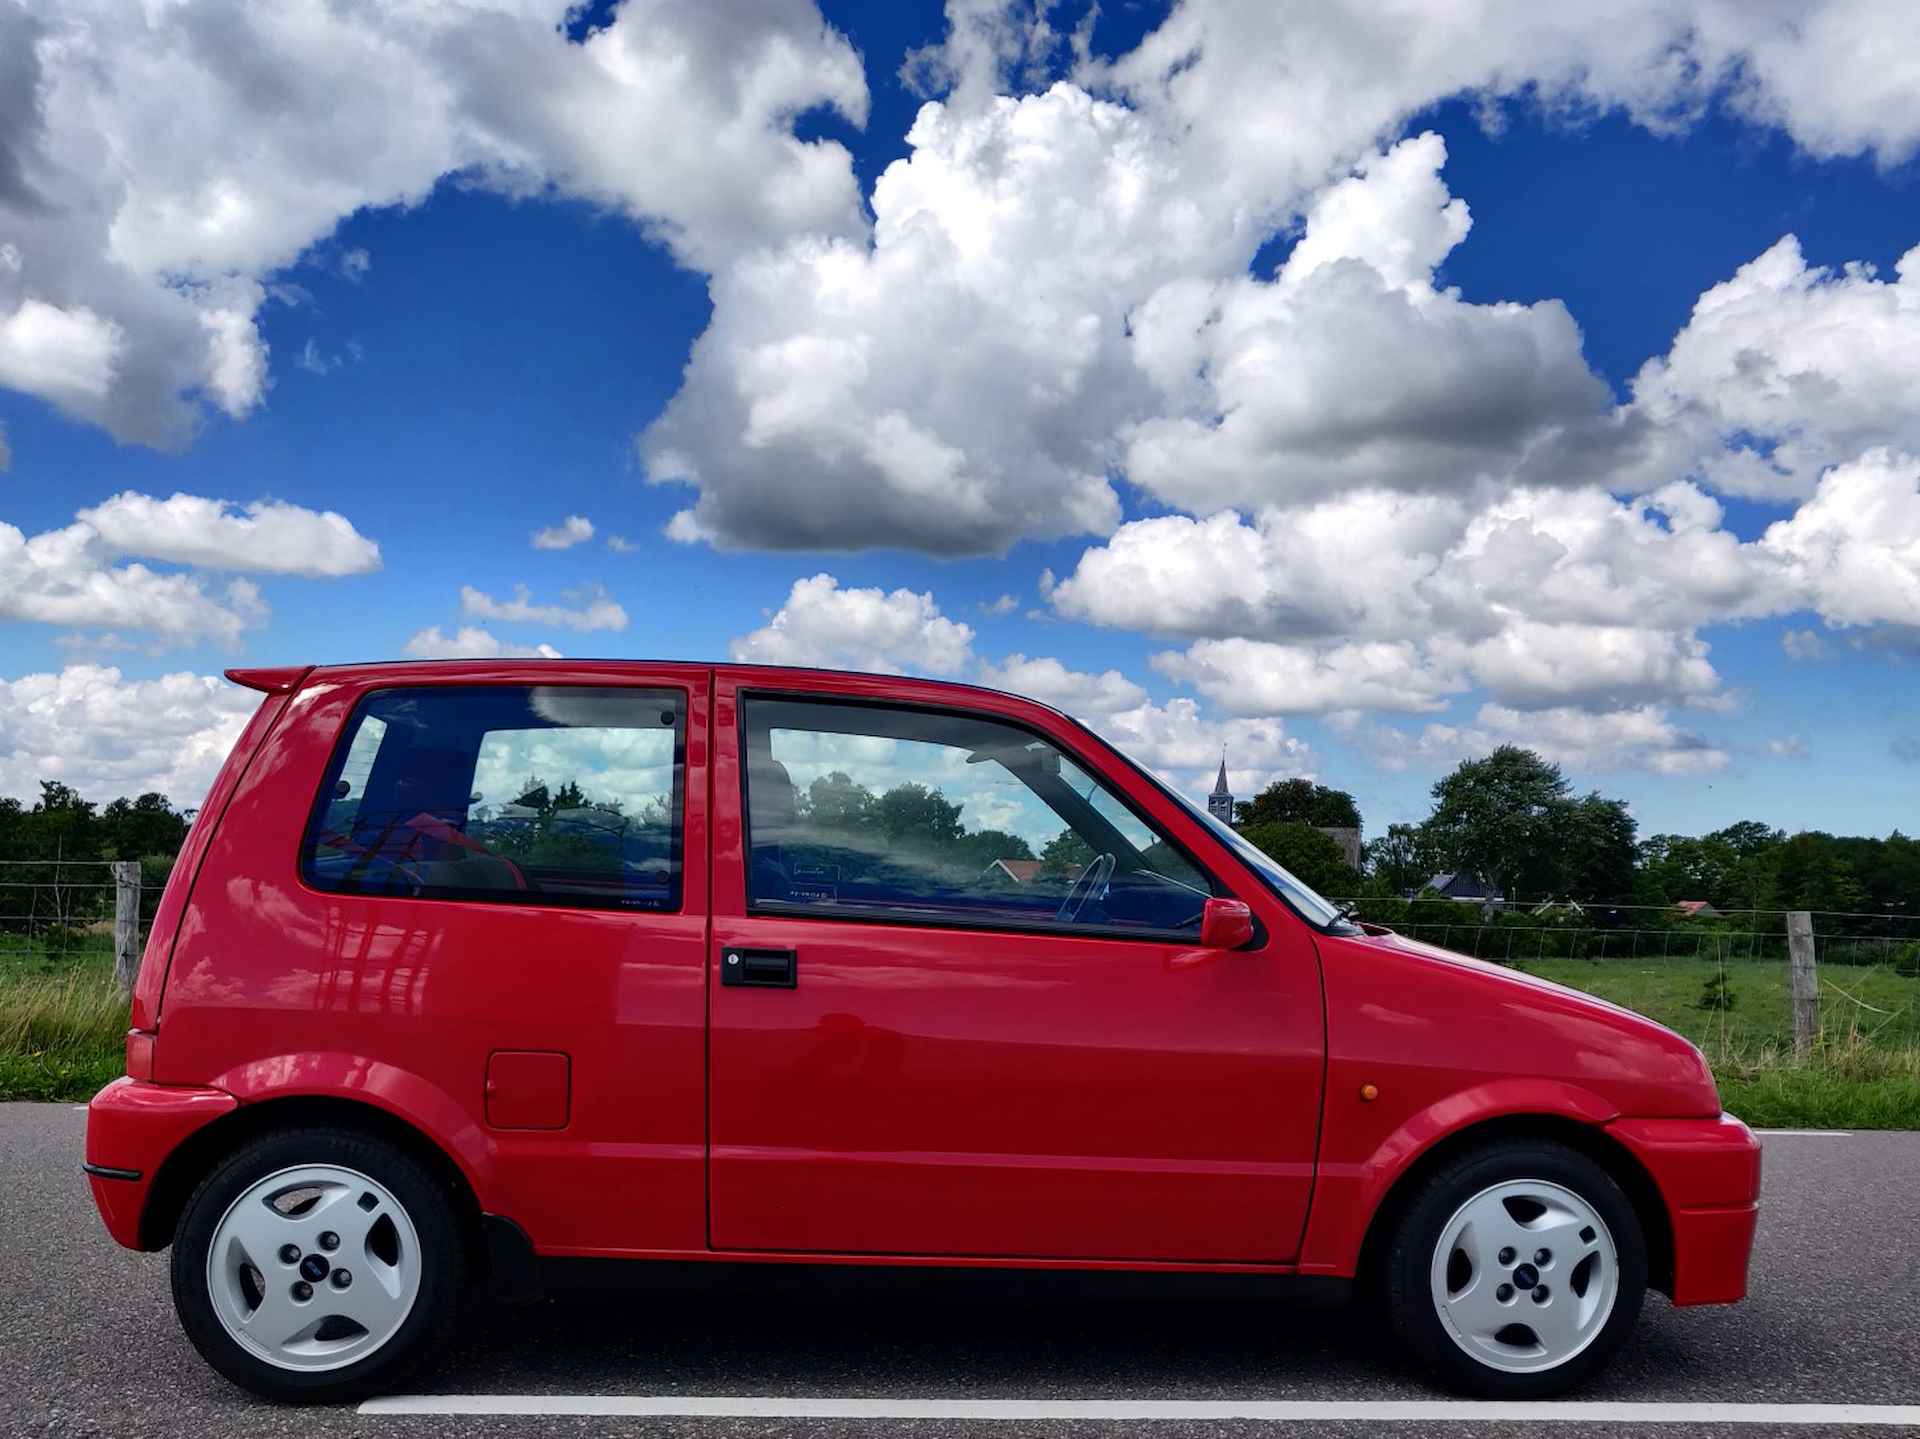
(1065, 851)
(1402, 859)
(914, 816)
(982, 847)
(1300, 801)
(1495, 818)
(835, 802)
(148, 825)
(1594, 848)
(1312, 857)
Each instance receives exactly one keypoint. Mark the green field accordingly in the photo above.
(62, 1026)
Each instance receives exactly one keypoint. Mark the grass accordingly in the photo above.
(62, 1027)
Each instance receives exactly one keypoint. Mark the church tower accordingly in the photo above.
(1220, 802)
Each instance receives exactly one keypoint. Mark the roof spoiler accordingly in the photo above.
(276, 680)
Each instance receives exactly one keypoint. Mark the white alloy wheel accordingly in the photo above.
(314, 1267)
(1525, 1276)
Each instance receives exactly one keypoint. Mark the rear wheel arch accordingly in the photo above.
(1594, 1142)
(206, 1148)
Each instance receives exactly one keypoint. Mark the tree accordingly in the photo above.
(1300, 801)
(1402, 859)
(1314, 858)
(913, 816)
(1495, 818)
(1594, 848)
(1065, 852)
(983, 847)
(140, 827)
(835, 802)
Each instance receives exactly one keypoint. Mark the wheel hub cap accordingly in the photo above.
(268, 1268)
(1535, 1315)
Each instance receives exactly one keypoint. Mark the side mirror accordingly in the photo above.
(1225, 924)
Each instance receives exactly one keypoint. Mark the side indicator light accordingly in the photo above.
(140, 1053)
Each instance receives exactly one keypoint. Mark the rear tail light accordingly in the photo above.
(140, 1053)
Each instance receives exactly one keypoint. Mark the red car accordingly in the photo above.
(465, 964)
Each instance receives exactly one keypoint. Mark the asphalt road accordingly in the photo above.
(88, 1342)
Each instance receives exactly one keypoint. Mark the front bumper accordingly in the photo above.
(1708, 1174)
(132, 1128)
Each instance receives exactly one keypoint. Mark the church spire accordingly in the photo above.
(1220, 802)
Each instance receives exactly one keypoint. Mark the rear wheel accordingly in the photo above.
(1517, 1271)
(318, 1264)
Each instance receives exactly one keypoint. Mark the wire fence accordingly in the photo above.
(56, 915)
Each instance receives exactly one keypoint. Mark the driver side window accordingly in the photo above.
(940, 817)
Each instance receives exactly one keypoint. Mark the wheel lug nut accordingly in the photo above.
(289, 1253)
(1541, 1295)
(1503, 1293)
(302, 1291)
(329, 1241)
(341, 1279)
(1540, 1256)
(1507, 1256)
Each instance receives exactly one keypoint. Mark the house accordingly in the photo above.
(1696, 909)
(1023, 871)
(1460, 885)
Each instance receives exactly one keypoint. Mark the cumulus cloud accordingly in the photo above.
(1078, 692)
(1852, 551)
(66, 577)
(261, 537)
(90, 727)
(1643, 738)
(1350, 368)
(597, 610)
(1803, 645)
(573, 530)
(139, 234)
(862, 629)
(1786, 369)
(1787, 747)
(471, 642)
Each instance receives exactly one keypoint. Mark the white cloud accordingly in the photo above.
(621, 545)
(355, 263)
(90, 727)
(1004, 605)
(597, 609)
(1642, 737)
(1079, 693)
(1786, 369)
(1803, 645)
(863, 629)
(573, 530)
(261, 537)
(1350, 368)
(65, 577)
(471, 642)
(140, 233)
(1852, 551)
(1180, 744)
(1787, 747)
(1257, 677)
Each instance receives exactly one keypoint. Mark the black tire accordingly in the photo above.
(429, 1205)
(1407, 1275)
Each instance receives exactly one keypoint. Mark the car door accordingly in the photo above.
(958, 1004)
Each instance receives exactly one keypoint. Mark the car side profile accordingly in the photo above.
(466, 965)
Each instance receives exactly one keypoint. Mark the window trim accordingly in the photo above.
(788, 909)
(682, 699)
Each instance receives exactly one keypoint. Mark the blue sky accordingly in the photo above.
(452, 361)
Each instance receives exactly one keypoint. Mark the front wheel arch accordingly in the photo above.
(1611, 1155)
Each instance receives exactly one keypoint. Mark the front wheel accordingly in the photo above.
(317, 1265)
(1517, 1270)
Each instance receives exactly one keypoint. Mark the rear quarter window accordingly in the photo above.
(542, 794)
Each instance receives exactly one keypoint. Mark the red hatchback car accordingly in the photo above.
(468, 963)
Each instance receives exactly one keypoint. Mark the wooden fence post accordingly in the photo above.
(1806, 982)
(126, 922)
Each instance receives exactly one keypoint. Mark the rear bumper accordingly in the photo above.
(132, 1128)
(1708, 1174)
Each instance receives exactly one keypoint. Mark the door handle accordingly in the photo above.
(759, 968)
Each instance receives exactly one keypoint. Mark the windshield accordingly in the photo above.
(1310, 905)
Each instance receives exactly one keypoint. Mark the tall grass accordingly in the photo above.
(61, 1035)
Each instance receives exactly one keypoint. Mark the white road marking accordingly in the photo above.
(1416, 1411)
(1808, 1133)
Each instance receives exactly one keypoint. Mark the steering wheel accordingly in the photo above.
(1093, 877)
